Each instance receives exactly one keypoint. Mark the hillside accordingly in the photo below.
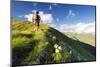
(47, 46)
(86, 37)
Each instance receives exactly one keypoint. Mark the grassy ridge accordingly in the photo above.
(30, 47)
(84, 51)
(24, 36)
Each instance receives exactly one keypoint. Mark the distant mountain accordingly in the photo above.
(86, 37)
(46, 46)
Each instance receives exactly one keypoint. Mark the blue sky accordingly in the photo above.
(59, 13)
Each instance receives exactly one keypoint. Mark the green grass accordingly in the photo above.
(40, 44)
(30, 41)
(28, 46)
(86, 38)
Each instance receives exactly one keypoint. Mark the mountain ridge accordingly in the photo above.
(30, 47)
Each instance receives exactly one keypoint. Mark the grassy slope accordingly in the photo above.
(26, 41)
(29, 47)
(86, 38)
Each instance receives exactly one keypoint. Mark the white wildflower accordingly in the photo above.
(70, 52)
(55, 46)
(57, 50)
(54, 37)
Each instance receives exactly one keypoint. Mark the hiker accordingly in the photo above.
(36, 20)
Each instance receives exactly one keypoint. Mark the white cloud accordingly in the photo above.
(45, 18)
(34, 4)
(20, 16)
(28, 17)
(53, 25)
(71, 14)
(34, 11)
(50, 7)
(78, 28)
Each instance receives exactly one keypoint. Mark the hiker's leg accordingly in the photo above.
(35, 26)
(38, 26)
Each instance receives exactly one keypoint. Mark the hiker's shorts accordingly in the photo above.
(37, 22)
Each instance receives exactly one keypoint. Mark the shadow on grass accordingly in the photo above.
(20, 53)
(60, 36)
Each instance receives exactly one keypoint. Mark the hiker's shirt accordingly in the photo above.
(37, 18)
